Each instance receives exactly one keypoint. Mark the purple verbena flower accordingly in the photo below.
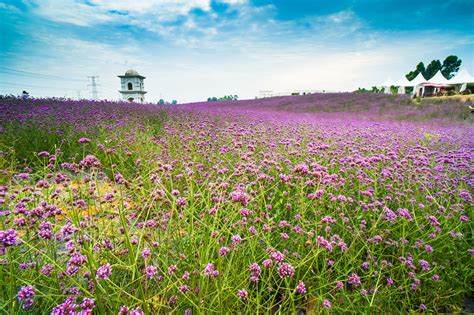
(286, 270)
(26, 295)
(242, 294)
(84, 140)
(300, 288)
(354, 280)
(8, 237)
(327, 304)
(104, 271)
(150, 271)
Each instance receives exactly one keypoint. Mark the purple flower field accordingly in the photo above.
(323, 203)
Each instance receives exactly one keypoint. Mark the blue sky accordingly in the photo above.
(189, 50)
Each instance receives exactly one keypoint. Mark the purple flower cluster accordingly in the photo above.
(286, 270)
(104, 271)
(26, 295)
(301, 288)
(69, 306)
(150, 271)
(210, 271)
(8, 237)
(234, 206)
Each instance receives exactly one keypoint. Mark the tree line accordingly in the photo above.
(163, 102)
(223, 98)
(449, 68)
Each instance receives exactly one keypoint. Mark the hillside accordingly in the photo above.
(336, 203)
(371, 106)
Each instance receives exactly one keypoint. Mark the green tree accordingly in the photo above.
(362, 90)
(420, 67)
(376, 90)
(174, 102)
(450, 66)
(411, 75)
(432, 68)
(161, 101)
(223, 98)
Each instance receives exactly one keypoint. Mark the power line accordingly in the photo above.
(35, 86)
(49, 78)
(41, 75)
(36, 74)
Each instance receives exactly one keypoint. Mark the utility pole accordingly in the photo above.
(93, 85)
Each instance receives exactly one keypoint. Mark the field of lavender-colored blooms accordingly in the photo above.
(323, 203)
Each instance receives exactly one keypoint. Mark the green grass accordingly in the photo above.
(155, 160)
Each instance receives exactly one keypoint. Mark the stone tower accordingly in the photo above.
(132, 88)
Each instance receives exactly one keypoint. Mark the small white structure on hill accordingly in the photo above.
(132, 88)
(402, 84)
(419, 79)
(462, 80)
(431, 86)
(421, 87)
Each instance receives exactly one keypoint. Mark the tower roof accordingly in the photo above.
(131, 73)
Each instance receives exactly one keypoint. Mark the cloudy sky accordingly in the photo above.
(190, 50)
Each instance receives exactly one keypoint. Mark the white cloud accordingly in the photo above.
(9, 8)
(342, 16)
(233, 2)
(71, 12)
(216, 55)
(161, 9)
(170, 19)
(192, 75)
(102, 11)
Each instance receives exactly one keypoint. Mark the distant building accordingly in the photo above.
(419, 86)
(132, 88)
(25, 95)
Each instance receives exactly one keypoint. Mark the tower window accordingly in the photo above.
(130, 86)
